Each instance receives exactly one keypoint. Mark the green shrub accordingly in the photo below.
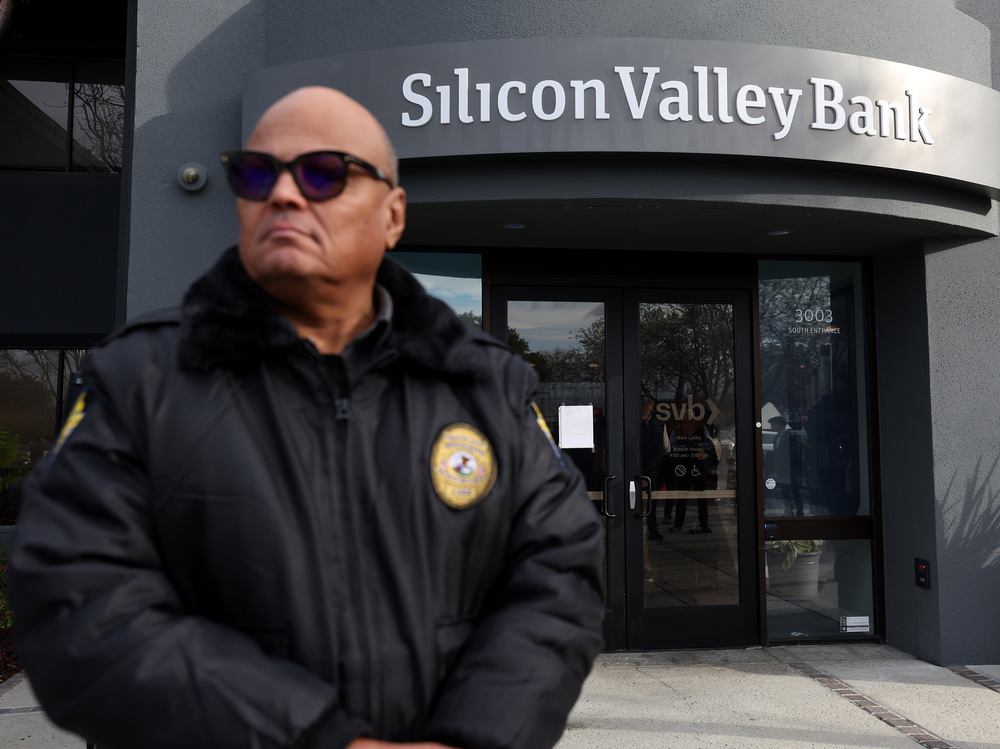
(13, 468)
(8, 659)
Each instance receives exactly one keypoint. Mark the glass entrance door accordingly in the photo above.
(648, 393)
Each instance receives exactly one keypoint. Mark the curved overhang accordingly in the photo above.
(655, 133)
(530, 96)
(656, 203)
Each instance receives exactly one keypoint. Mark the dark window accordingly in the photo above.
(62, 115)
(62, 86)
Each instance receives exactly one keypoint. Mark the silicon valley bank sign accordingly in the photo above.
(663, 96)
(711, 98)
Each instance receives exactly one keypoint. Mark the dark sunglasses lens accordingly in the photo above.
(252, 176)
(320, 175)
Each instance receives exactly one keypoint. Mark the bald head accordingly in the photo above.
(318, 258)
(318, 113)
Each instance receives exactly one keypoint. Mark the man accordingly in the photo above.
(786, 464)
(651, 445)
(311, 508)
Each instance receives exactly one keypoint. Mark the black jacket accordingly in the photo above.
(233, 548)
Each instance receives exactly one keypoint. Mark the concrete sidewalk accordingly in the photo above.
(783, 698)
(835, 696)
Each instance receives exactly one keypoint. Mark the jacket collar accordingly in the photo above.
(229, 321)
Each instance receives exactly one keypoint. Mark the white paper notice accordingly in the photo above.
(576, 426)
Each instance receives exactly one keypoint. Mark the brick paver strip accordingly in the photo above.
(980, 679)
(18, 710)
(887, 716)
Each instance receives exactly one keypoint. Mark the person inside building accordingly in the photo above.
(786, 464)
(651, 443)
(310, 507)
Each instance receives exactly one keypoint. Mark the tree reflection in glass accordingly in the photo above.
(687, 380)
(813, 411)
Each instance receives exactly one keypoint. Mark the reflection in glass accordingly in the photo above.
(71, 363)
(819, 589)
(687, 410)
(28, 381)
(33, 118)
(454, 278)
(564, 342)
(38, 104)
(98, 127)
(813, 389)
(30, 401)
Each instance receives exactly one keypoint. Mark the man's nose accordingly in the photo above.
(285, 191)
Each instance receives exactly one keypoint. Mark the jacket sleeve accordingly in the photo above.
(103, 634)
(523, 667)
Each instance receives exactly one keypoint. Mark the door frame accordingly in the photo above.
(627, 626)
(719, 626)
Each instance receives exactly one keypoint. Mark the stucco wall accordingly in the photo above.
(189, 77)
(939, 406)
(987, 13)
(191, 64)
(963, 333)
(963, 294)
(920, 32)
(909, 508)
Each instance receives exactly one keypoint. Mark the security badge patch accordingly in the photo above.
(463, 467)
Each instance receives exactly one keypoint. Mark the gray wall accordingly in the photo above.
(937, 313)
(918, 32)
(189, 78)
(904, 406)
(960, 410)
(191, 66)
(939, 406)
(963, 339)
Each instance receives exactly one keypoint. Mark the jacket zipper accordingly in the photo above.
(342, 416)
(374, 676)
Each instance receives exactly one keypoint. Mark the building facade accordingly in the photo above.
(751, 249)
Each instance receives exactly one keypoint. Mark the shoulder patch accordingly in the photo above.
(540, 419)
(463, 466)
(72, 421)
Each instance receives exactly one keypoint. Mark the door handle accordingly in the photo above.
(604, 499)
(644, 481)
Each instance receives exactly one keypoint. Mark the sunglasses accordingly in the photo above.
(320, 175)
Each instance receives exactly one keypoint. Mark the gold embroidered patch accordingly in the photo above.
(463, 468)
(72, 421)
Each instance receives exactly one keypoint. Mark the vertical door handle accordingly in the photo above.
(644, 484)
(604, 499)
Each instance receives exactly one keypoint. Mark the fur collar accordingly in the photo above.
(229, 321)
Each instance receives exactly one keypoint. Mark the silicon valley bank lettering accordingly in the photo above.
(707, 95)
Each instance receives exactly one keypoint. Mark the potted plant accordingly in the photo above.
(793, 567)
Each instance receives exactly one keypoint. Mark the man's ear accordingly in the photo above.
(395, 216)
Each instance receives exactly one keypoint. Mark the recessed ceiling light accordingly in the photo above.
(778, 232)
